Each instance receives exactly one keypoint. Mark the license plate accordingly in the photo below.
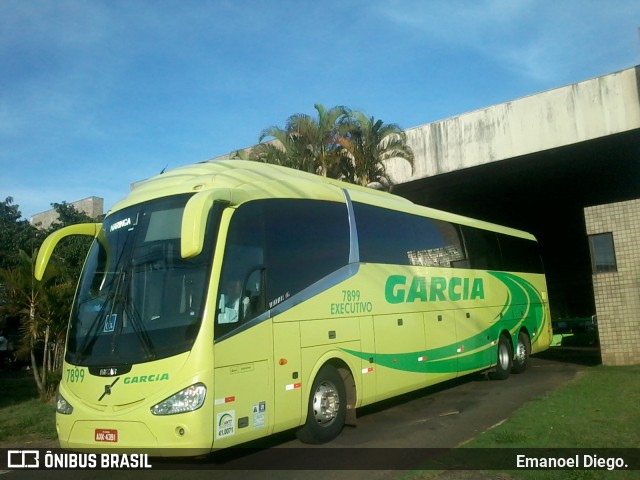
(105, 435)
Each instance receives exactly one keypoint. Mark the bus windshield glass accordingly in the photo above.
(138, 300)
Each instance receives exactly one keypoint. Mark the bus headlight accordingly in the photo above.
(62, 406)
(187, 400)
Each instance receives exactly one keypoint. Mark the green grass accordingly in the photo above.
(600, 409)
(24, 418)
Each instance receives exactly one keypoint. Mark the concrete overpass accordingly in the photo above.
(540, 163)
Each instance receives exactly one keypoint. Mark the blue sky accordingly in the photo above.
(95, 95)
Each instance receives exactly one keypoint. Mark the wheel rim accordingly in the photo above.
(521, 353)
(503, 356)
(326, 403)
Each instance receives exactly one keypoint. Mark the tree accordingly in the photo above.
(368, 145)
(339, 143)
(70, 254)
(16, 234)
(283, 151)
(305, 143)
(43, 309)
(39, 311)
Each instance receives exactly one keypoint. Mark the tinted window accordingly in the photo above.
(392, 237)
(494, 251)
(385, 236)
(241, 297)
(520, 255)
(306, 241)
(483, 248)
(275, 249)
(438, 244)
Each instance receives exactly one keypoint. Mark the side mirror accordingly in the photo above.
(49, 244)
(194, 220)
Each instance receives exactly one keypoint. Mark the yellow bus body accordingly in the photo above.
(386, 329)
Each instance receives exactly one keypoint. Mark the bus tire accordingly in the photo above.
(505, 359)
(327, 408)
(523, 351)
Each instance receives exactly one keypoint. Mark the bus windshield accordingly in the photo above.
(138, 300)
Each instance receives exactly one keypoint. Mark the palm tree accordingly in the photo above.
(306, 143)
(368, 145)
(43, 309)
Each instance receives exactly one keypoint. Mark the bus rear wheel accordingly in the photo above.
(523, 351)
(505, 359)
(327, 408)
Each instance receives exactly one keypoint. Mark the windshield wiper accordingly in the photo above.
(94, 329)
(141, 332)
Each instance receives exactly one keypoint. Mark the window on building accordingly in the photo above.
(603, 255)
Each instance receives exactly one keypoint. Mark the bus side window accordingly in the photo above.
(438, 244)
(520, 255)
(275, 249)
(398, 238)
(306, 241)
(253, 300)
(244, 251)
(242, 300)
(229, 304)
(483, 248)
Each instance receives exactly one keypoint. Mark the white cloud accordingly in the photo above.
(542, 41)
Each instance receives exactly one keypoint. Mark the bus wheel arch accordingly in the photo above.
(351, 390)
(504, 363)
(522, 352)
(331, 403)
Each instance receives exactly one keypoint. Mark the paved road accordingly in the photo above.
(437, 417)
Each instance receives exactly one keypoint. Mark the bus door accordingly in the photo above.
(243, 365)
(243, 337)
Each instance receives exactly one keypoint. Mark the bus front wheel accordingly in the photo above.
(505, 359)
(327, 408)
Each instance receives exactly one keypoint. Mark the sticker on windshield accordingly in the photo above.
(120, 224)
(110, 323)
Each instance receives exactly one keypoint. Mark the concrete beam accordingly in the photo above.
(567, 115)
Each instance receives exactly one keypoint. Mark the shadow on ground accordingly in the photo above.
(587, 356)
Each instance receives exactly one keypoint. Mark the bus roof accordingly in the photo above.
(245, 180)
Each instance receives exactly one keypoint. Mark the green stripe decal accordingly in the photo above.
(523, 306)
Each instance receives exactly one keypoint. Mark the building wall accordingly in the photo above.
(617, 294)
(92, 206)
(575, 113)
